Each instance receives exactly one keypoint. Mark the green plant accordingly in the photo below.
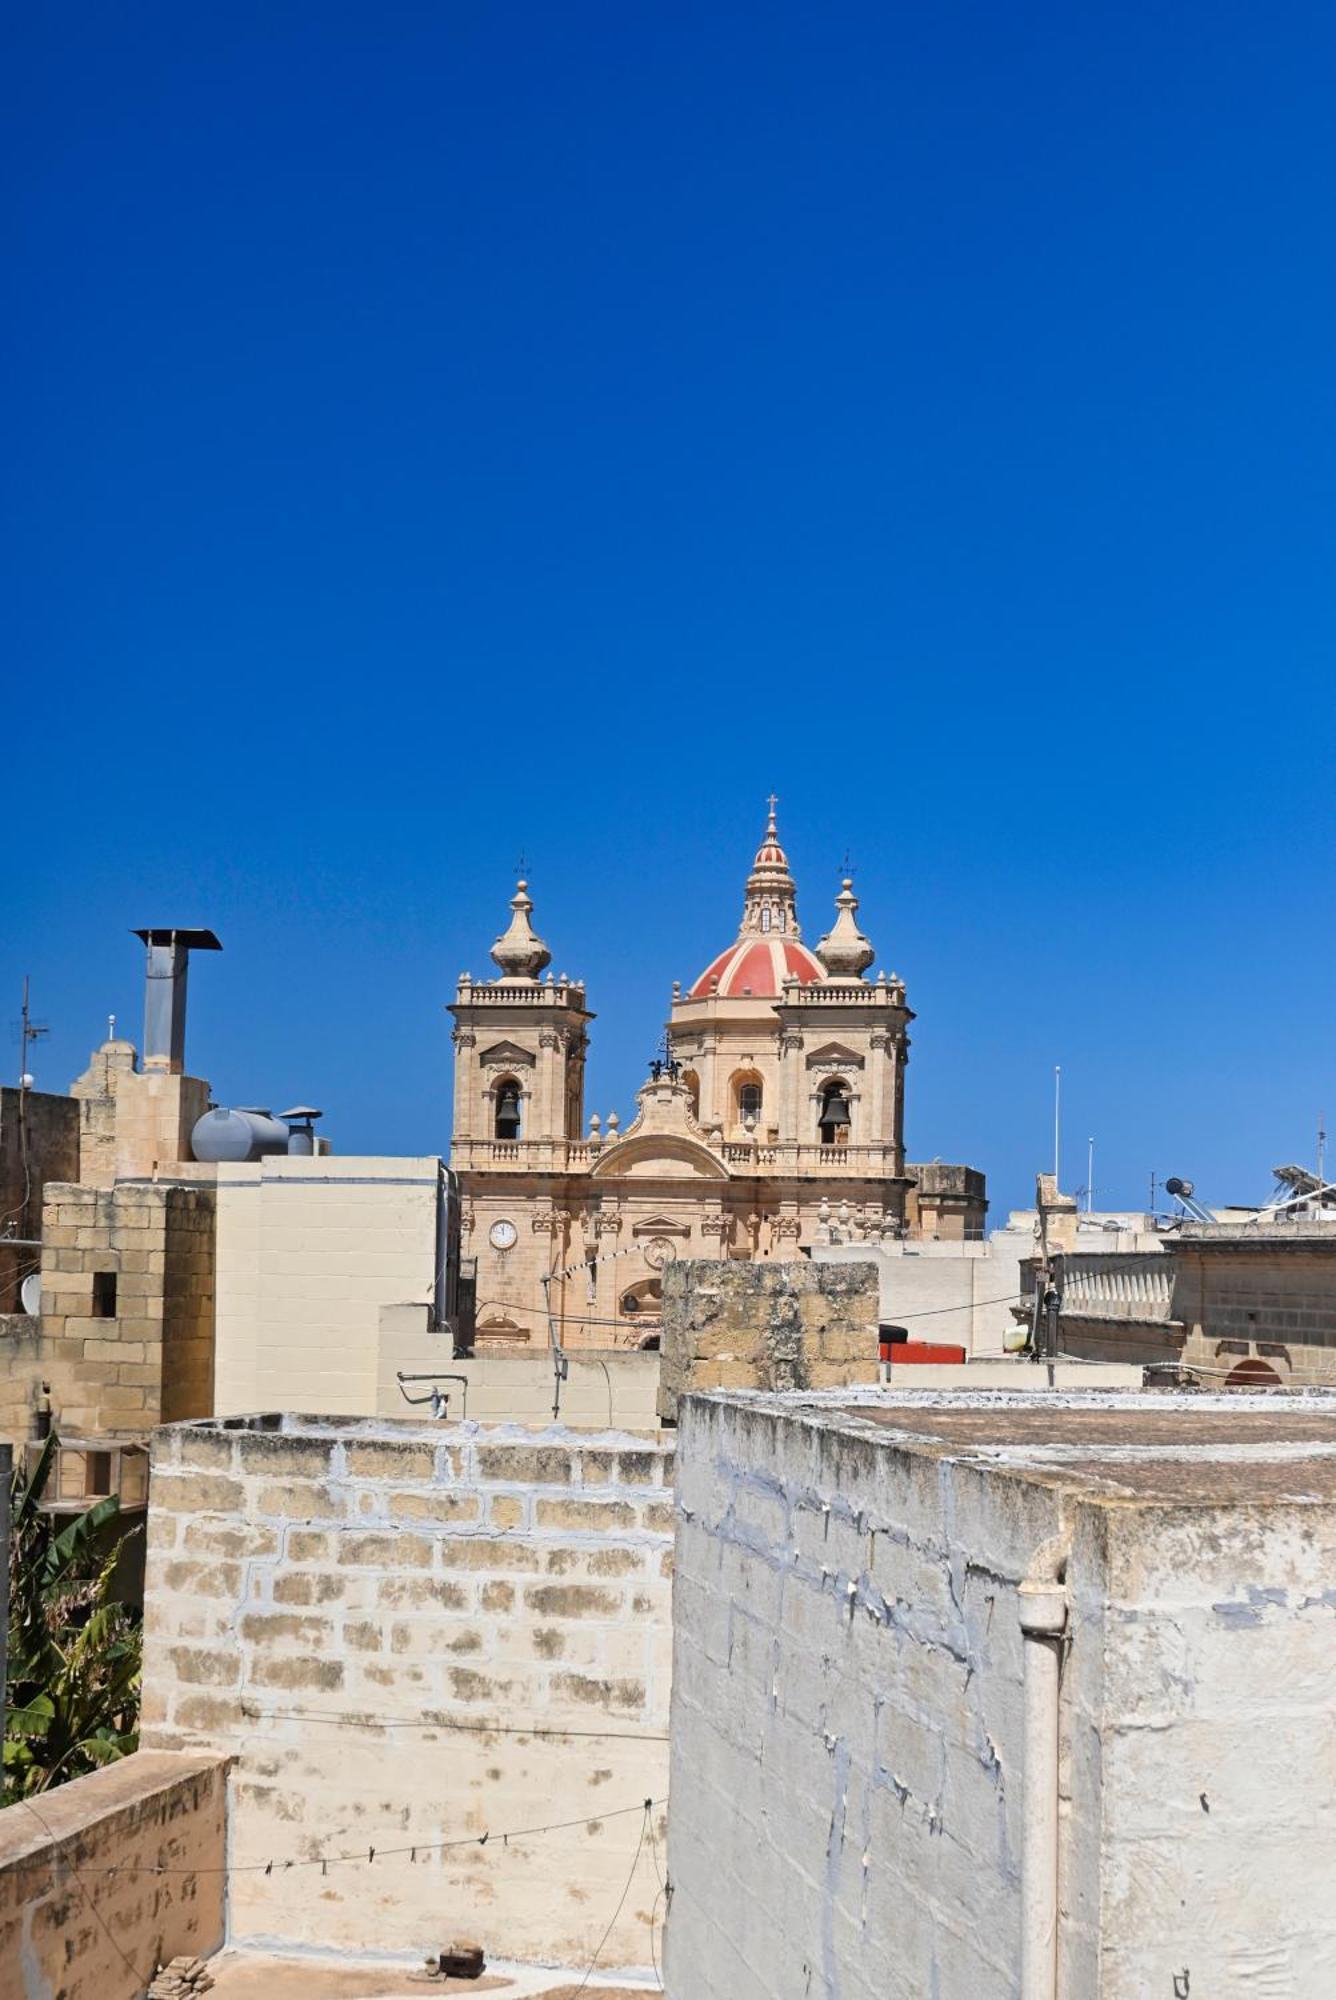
(74, 1651)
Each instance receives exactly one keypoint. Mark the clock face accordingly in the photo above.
(502, 1235)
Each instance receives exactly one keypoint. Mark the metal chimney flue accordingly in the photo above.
(169, 952)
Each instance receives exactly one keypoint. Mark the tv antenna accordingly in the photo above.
(30, 1031)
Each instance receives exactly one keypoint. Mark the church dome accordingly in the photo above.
(768, 948)
(756, 967)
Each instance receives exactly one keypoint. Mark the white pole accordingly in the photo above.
(1090, 1176)
(1057, 1125)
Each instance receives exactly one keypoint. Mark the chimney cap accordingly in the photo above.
(193, 940)
(300, 1111)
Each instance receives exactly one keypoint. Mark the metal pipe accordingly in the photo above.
(1043, 1622)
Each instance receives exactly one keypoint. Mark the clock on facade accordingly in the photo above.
(502, 1235)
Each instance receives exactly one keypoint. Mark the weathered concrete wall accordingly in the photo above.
(410, 1635)
(846, 1718)
(151, 1355)
(794, 1325)
(68, 1923)
(848, 1740)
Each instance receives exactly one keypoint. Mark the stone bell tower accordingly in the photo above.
(520, 1044)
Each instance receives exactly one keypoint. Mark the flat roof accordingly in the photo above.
(1152, 1446)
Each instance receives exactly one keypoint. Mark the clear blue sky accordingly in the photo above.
(441, 430)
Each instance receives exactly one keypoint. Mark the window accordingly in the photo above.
(746, 1092)
(692, 1082)
(834, 1119)
(749, 1102)
(765, 918)
(508, 1109)
(104, 1295)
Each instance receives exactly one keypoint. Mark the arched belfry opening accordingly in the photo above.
(833, 1116)
(508, 1109)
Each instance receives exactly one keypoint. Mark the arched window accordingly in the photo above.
(507, 1109)
(833, 1118)
(765, 918)
(748, 1094)
(692, 1082)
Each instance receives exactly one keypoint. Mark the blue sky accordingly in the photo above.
(439, 431)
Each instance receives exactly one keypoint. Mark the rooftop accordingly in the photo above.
(1152, 1447)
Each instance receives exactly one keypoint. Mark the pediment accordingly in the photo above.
(834, 1055)
(661, 1225)
(509, 1053)
(658, 1156)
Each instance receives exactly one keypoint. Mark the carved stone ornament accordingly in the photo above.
(658, 1252)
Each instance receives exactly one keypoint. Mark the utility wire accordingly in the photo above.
(626, 1890)
(89, 1904)
(360, 1719)
(324, 1861)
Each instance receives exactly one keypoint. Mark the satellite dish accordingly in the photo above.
(30, 1293)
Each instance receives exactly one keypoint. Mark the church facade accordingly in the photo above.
(779, 1106)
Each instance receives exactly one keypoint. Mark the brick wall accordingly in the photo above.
(409, 1635)
(796, 1325)
(67, 1922)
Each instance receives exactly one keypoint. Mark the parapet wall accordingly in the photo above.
(413, 1635)
(79, 1891)
(790, 1325)
(848, 1721)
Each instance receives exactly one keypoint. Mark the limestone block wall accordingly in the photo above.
(412, 1635)
(68, 1923)
(791, 1325)
(39, 1142)
(127, 1311)
(847, 1721)
(1272, 1300)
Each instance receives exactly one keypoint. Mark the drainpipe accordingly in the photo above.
(1043, 1619)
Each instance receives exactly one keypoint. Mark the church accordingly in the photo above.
(778, 1108)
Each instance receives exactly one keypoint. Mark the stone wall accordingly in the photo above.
(796, 1325)
(1270, 1294)
(68, 1923)
(118, 1362)
(848, 1737)
(411, 1635)
(39, 1142)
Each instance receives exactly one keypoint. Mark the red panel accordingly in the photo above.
(925, 1350)
(756, 970)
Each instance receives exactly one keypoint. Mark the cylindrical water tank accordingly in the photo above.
(237, 1135)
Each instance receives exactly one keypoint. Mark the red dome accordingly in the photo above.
(756, 968)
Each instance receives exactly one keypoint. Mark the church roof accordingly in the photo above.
(768, 948)
(757, 967)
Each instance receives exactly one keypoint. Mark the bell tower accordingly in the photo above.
(520, 1044)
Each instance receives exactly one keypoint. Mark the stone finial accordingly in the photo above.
(519, 951)
(844, 951)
